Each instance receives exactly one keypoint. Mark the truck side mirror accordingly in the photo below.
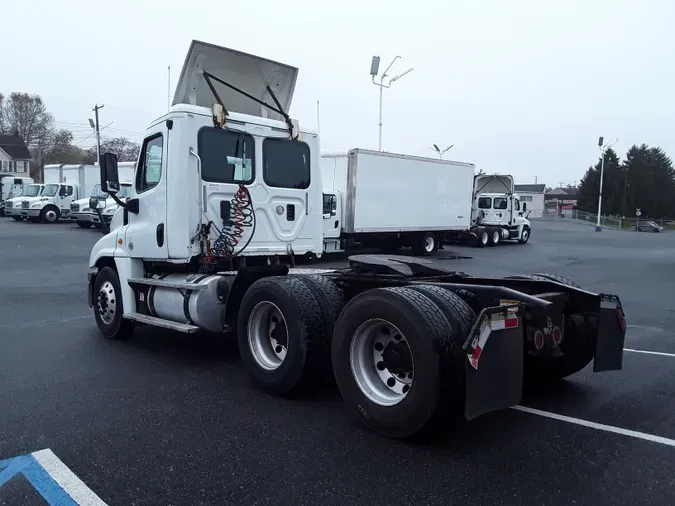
(62, 191)
(110, 179)
(93, 203)
(524, 206)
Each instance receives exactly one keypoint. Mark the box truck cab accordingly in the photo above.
(13, 206)
(101, 215)
(81, 211)
(11, 187)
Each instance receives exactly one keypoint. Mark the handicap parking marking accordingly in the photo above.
(50, 477)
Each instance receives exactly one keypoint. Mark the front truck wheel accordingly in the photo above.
(524, 235)
(424, 244)
(282, 334)
(17, 218)
(578, 343)
(108, 309)
(389, 354)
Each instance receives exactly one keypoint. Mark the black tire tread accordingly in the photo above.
(329, 295)
(456, 311)
(126, 327)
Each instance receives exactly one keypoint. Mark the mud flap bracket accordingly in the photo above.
(494, 365)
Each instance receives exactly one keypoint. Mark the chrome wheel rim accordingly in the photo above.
(381, 362)
(495, 236)
(106, 302)
(267, 335)
(429, 244)
(484, 238)
(50, 215)
(526, 235)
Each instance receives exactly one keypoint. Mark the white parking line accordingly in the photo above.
(661, 353)
(598, 426)
(66, 479)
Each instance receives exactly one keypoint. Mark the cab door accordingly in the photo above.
(145, 232)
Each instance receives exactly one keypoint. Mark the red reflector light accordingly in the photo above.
(622, 320)
(511, 322)
(557, 335)
(539, 339)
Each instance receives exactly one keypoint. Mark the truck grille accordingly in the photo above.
(9, 205)
(74, 207)
(24, 204)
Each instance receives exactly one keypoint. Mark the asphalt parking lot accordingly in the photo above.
(169, 419)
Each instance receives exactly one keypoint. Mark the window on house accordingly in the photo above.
(526, 198)
(5, 166)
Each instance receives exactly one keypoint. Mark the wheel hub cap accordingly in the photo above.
(106, 303)
(267, 335)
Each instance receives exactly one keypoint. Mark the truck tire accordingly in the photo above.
(459, 313)
(424, 244)
(84, 224)
(17, 218)
(108, 310)
(495, 236)
(524, 236)
(280, 331)
(331, 299)
(578, 344)
(50, 214)
(379, 336)
(482, 237)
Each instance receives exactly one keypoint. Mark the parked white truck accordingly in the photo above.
(63, 185)
(496, 213)
(81, 211)
(10, 187)
(389, 200)
(223, 194)
(13, 206)
(102, 216)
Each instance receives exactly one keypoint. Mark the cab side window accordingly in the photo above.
(149, 172)
(517, 204)
(66, 191)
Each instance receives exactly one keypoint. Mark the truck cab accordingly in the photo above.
(11, 187)
(496, 212)
(52, 203)
(107, 208)
(13, 206)
(81, 213)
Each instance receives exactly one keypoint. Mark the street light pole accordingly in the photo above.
(440, 151)
(374, 69)
(603, 149)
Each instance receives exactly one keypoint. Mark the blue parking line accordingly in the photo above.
(38, 477)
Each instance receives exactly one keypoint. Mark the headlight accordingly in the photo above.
(85, 210)
(110, 211)
(34, 206)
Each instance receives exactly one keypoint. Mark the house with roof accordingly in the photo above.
(533, 196)
(14, 156)
(561, 201)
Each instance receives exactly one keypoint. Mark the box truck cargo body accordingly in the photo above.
(390, 200)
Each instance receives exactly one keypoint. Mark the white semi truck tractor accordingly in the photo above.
(227, 186)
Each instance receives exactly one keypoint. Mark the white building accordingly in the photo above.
(14, 156)
(533, 196)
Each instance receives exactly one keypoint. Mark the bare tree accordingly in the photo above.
(126, 150)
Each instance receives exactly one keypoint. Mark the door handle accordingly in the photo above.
(160, 235)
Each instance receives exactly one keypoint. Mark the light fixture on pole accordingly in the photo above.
(603, 149)
(440, 151)
(374, 69)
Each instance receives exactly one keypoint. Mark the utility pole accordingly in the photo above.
(98, 132)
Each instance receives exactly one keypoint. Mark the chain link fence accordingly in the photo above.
(615, 222)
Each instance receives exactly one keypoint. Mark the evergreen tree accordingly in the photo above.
(613, 178)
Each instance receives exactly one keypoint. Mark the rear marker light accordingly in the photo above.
(557, 335)
(538, 339)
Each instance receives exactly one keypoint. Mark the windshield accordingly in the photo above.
(125, 191)
(32, 190)
(96, 192)
(50, 190)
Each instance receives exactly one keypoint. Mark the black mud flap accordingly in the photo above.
(494, 365)
(611, 335)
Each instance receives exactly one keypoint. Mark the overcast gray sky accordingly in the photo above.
(521, 86)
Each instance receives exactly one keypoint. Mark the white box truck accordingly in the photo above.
(389, 200)
(63, 185)
(10, 187)
(81, 211)
(224, 194)
(13, 206)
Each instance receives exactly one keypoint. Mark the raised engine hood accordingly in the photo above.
(493, 183)
(246, 72)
